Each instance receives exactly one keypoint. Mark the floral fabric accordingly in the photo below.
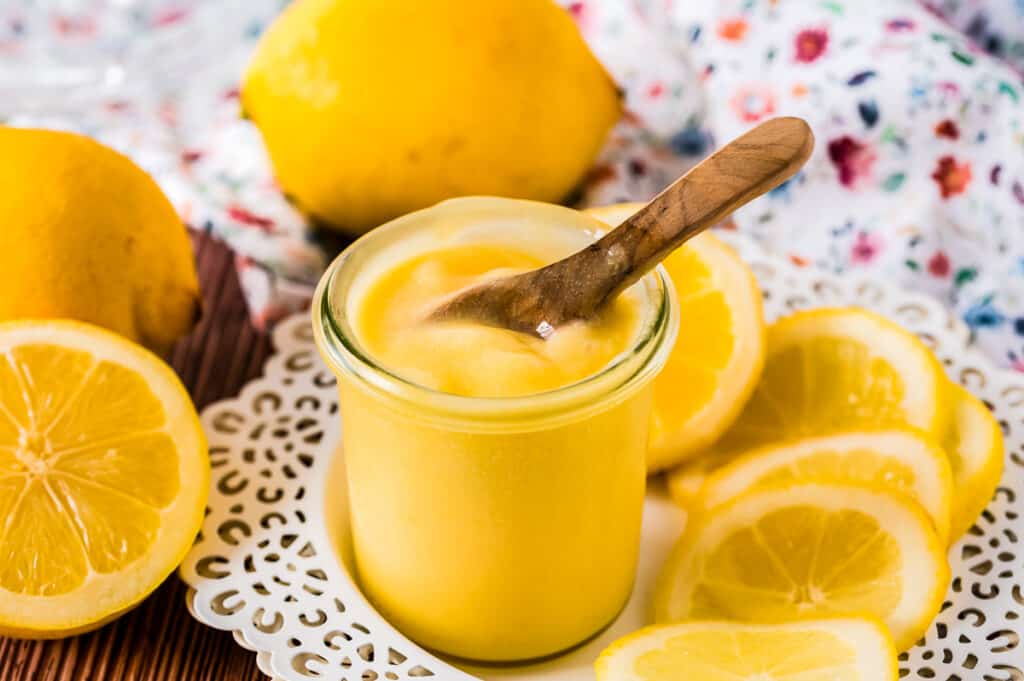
(995, 26)
(918, 109)
(918, 172)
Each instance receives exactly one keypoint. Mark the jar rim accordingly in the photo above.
(338, 343)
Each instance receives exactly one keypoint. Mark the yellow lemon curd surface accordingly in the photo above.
(495, 480)
(466, 358)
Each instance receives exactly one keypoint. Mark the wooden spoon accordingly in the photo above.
(576, 287)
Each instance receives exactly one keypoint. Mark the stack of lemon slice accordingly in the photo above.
(849, 396)
(834, 493)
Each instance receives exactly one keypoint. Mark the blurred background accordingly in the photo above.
(917, 106)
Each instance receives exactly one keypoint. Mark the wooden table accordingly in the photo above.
(159, 640)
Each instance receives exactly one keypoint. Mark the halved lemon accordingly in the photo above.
(720, 350)
(834, 649)
(808, 550)
(904, 460)
(975, 447)
(103, 476)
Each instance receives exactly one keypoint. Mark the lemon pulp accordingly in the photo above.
(800, 653)
(85, 493)
(835, 369)
(103, 476)
(746, 573)
(808, 549)
(904, 460)
(834, 649)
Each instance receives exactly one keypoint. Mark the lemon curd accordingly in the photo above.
(465, 358)
(495, 480)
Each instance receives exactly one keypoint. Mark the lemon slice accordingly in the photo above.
(975, 447)
(835, 649)
(808, 550)
(905, 461)
(837, 369)
(830, 370)
(717, 358)
(103, 476)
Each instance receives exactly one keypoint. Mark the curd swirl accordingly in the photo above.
(465, 358)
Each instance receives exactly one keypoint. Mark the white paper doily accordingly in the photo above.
(264, 567)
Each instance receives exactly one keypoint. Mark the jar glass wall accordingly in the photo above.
(492, 528)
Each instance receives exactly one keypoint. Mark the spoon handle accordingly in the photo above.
(576, 287)
(739, 172)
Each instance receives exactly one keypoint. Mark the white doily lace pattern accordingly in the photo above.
(264, 568)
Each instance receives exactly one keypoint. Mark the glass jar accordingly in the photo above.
(492, 528)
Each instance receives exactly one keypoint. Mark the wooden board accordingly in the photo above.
(159, 640)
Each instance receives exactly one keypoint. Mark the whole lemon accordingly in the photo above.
(374, 108)
(88, 235)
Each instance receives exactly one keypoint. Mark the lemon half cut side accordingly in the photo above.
(104, 476)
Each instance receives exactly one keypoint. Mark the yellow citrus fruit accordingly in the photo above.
(833, 649)
(904, 460)
(103, 476)
(830, 370)
(836, 369)
(88, 235)
(720, 350)
(374, 108)
(809, 549)
(975, 447)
